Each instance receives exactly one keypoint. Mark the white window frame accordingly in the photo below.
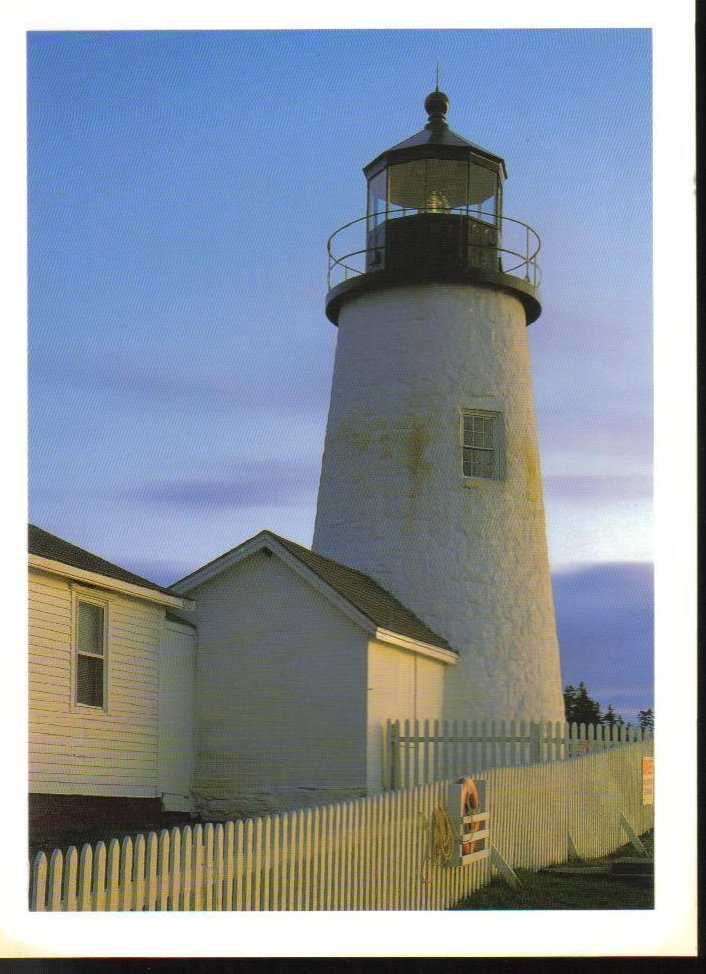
(80, 596)
(497, 449)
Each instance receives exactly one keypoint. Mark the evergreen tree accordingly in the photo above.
(610, 717)
(579, 707)
(646, 719)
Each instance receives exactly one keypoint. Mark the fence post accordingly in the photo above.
(535, 742)
(394, 754)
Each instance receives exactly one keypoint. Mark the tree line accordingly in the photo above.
(581, 708)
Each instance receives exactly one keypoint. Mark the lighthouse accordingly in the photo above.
(430, 480)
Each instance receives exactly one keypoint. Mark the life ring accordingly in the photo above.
(470, 802)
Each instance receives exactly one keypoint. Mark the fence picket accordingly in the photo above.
(228, 864)
(248, 865)
(70, 880)
(285, 856)
(415, 753)
(275, 867)
(218, 867)
(266, 863)
(257, 865)
(125, 902)
(186, 884)
(406, 782)
(85, 875)
(208, 865)
(426, 745)
(40, 871)
(112, 900)
(330, 847)
(239, 865)
(99, 857)
(151, 882)
(174, 870)
(334, 872)
(139, 873)
(197, 871)
(291, 865)
(56, 869)
(163, 870)
(298, 861)
(314, 858)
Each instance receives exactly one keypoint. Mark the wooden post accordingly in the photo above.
(535, 742)
(394, 754)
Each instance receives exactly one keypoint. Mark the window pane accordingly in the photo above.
(446, 184)
(480, 445)
(482, 188)
(407, 182)
(89, 681)
(90, 628)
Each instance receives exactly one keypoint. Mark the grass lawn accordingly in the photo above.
(553, 891)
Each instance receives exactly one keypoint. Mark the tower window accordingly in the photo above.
(481, 444)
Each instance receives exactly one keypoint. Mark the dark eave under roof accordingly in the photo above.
(46, 545)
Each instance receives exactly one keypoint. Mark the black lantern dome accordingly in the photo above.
(434, 214)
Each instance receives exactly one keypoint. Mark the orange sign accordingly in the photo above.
(648, 781)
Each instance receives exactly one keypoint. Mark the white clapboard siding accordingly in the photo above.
(80, 750)
(375, 853)
(419, 752)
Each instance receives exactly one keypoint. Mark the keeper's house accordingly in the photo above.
(262, 681)
(111, 663)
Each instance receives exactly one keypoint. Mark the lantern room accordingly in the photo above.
(435, 171)
(434, 214)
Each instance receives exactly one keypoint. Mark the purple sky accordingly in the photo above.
(182, 187)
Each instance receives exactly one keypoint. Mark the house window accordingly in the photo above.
(481, 444)
(90, 653)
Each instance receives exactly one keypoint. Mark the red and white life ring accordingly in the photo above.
(470, 802)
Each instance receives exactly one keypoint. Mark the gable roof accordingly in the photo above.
(46, 545)
(359, 590)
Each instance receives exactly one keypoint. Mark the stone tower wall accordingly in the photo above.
(469, 556)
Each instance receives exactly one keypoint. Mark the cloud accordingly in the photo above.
(255, 484)
(147, 385)
(605, 623)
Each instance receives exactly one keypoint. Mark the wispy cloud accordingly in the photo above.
(145, 384)
(255, 484)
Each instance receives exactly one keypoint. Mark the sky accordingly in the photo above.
(182, 186)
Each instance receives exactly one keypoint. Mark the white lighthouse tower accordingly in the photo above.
(430, 479)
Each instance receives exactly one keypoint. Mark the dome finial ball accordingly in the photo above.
(436, 103)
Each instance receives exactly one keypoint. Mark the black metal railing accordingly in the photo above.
(513, 249)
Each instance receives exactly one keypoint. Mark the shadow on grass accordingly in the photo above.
(551, 891)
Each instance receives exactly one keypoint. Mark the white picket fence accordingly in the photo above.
(418, 752)
(383, 852)
(367, 854)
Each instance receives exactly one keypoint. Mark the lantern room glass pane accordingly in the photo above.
(377, 198)
(482, 191)
(407, 185)
(446, 185)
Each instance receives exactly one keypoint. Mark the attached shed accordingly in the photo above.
(301, 661)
